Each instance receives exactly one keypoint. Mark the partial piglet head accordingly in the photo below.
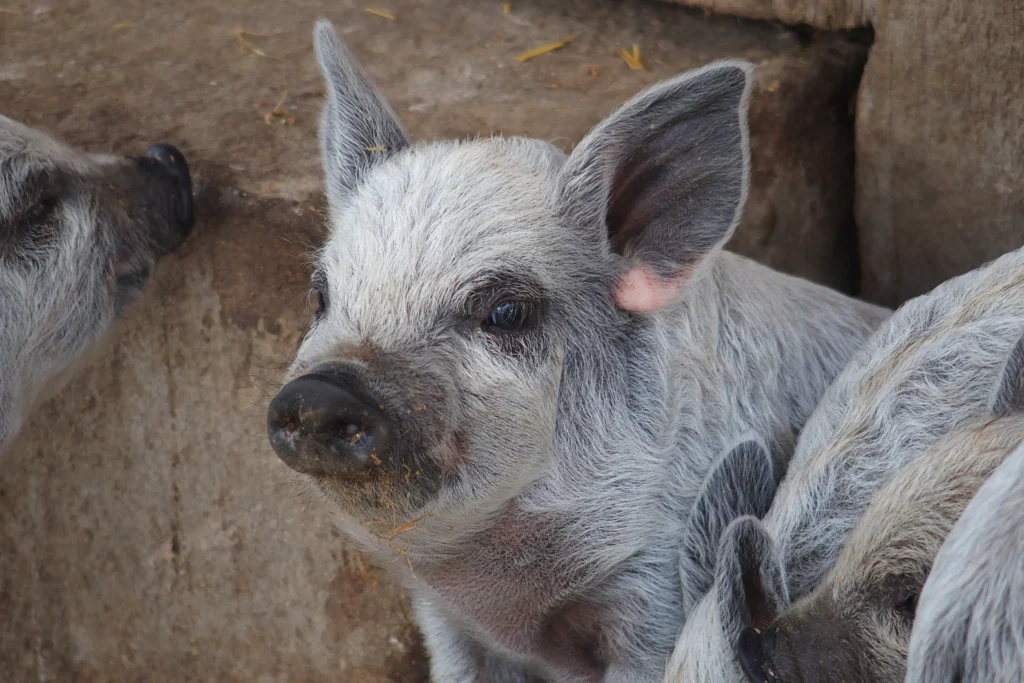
(79, 236)
(463, 282)
(856, 624)
(749, 591)
(852, 629)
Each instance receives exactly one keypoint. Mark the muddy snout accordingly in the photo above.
(755, 651)
(170, 177)
(810, 649)
(318, 424)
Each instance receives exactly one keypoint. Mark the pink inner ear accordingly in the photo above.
(641, 291)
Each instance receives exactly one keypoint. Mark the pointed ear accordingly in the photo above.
(1009, 391)
(741, 482)
(750, 579)
(664, 178)
(357, 127)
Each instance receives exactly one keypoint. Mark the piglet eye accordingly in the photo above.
(41, 212)
(907, 607)
(321, 299)
(511, 316)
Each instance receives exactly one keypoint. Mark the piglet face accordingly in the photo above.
(475, 298)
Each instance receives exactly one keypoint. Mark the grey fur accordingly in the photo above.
(926, 372)
(1009, 392)
(856, 624)
(970, 618)
(551, 473)
(79, 234)
(357, 127)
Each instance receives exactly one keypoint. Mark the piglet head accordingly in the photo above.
(80, 235)
(476, 298)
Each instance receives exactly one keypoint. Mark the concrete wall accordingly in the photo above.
(940, 148)
(147, 532)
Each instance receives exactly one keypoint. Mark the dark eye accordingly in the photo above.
(36, 225)
(511, 316)
(321, 299)
(906, 608)
(40, 213)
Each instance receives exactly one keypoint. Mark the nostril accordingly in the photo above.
(355, 434)
(284, 440)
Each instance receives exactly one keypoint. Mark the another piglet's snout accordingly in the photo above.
(174, 167)
(321, 425)
(811, 649)
(754, 651)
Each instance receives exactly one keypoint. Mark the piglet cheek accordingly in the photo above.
(641, 291)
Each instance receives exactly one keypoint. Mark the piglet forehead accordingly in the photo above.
(433, 206)
(433, 220)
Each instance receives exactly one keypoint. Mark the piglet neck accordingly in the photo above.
(777, 341)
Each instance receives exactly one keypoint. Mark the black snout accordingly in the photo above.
(172, 163)
(806, 647)
(754, 650)
(318, 425)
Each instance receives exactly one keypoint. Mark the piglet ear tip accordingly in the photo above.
(323, 28)
(739, 69)
(326, 43)
(641, 291)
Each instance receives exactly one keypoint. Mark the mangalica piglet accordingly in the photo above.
(929, 371)
(970, 617)
(80, 235)
(856, 624)
(524, 367)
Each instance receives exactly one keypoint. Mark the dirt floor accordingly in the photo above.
(147, 532)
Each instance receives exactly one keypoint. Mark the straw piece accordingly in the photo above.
(544, 49)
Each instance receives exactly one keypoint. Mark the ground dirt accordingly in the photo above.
(147, 532)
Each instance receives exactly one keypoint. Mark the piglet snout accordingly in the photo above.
(319, 426)
(172, 163)
(754, 651)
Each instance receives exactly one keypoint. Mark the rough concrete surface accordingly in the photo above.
(940, 143)
(147, 532)
(939, 148)
(799, 216)
(830, 15)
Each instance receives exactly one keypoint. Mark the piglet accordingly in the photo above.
(927, 372)
(524, 366)
(856, 624)
(80, 234)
